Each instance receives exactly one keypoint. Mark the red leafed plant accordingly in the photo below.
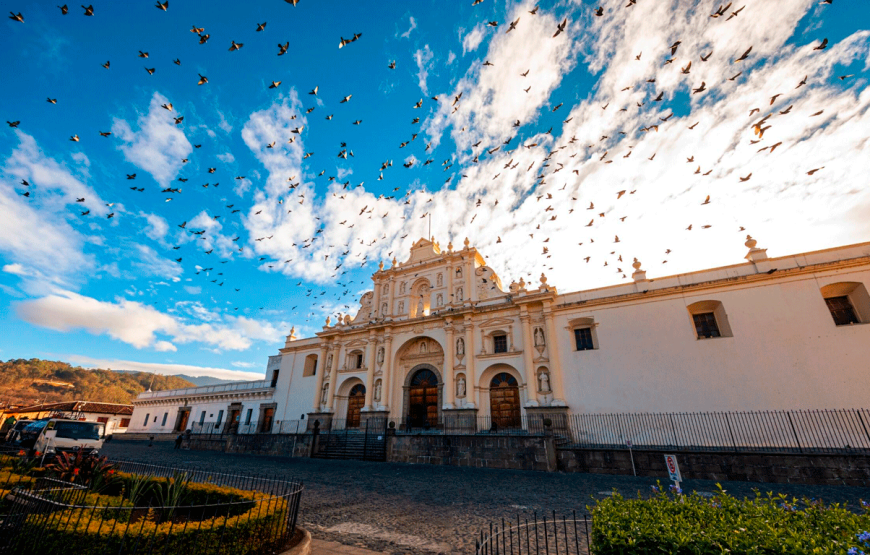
(82, 468)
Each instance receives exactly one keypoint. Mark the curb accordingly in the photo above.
(303, 547)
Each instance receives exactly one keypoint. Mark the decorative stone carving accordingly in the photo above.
(424, 347)
(328, 363)
(401, 307)
(383, 309)
(324, 394)
(402, 288)
(378, 390)
(386, 289)
(439, 280)
(380, 358)
(459, 273)
(459, 295)
(544, 379)
(439, 300)
(460, 386)
(421, 307)
(460, 347)
(539, 338)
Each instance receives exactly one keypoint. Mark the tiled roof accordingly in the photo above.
(77, 406)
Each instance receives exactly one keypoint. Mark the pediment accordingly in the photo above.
(497, 323)
(356, 343)
(424, 249)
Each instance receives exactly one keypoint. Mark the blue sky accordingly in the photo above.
(102, 291)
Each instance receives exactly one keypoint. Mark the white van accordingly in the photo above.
(56, 435)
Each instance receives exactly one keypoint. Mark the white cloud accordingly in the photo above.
(164, 346)
(473, 38)
(239, 364)
(159, 145)
(139, 325)
(423, 57)
(163, 369)
(148, 262)
(157, 226)
(451, 57)
(193, 290)
(412, 25)
(226, 157)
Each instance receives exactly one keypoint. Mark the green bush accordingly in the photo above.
(694, 525)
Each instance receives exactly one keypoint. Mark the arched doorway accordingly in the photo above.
(356, 399)
(423, 393)
(504, 401)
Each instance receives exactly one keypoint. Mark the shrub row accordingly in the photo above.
(695, 525)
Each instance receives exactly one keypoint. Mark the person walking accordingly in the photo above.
(178, 441)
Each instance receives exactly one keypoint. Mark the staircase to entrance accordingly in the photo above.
(366, 444)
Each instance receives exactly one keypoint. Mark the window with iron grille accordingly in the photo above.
(583, 339)
(705, 325)
(147, 416)
(220, 419)
(499, 343)
(842, 310)
(248, 416)
(165, 416)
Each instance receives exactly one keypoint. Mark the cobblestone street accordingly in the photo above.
(406, 509)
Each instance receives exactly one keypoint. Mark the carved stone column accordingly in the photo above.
(318, 390)
(555, 363)
(471, 375)
(333, 376)
(528, 361)
(387, 372)
(376, 300)
(449, 374)
(370, 370)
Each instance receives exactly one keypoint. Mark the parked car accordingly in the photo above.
(57, 435)
(15, 431)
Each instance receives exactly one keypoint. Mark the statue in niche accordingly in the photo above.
(329, 363)
(459, 272)
(401, 307)
(439, 280)
(402, 288)
(381, 355)
(544, 379)
(421, 306)
(384, 309)
(459, 295)
(460, 386)
(324, 394)
(539, 337)
(424, 347)
(460, 346)
(386, 289)
(378, 390)
(439, 300)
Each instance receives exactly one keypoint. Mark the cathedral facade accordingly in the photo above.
(440, 339)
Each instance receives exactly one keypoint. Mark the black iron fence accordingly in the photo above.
(809, 431)
(537, 534)
(252, 427)
(43, 514)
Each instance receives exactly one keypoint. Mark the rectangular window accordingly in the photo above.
(202, 418)
(248, 416)
(103, 419)
(314, 368)
(165, 416)
(705, 325)
(125, 422)
(499, 343)
(147, 416)
(220, 418)
(842, 310)
(583, 339)
(359, 361)
(275, 378)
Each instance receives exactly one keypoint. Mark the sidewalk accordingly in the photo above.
(323, 547)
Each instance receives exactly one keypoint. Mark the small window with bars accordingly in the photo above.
(842, 310)
(583, 339)
(705, 325)
(499, 343)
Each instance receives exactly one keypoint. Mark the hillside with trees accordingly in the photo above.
(35, 381)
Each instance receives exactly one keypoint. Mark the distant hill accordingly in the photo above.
(33, 381)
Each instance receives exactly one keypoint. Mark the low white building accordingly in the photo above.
(439, 336)
(115, 416)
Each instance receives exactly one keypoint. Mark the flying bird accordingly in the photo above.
(561, 27)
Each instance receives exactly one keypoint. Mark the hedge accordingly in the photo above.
(696, 525)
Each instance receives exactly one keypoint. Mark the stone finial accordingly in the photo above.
(328, 321)
(543, 279)
(381, 265)
(522, 283)
(292, 336)
(394, 262)
(347, 319)
(466, 242)
(755, 254)
(450, 246)
(638, 275)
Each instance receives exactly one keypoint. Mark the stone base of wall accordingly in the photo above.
(289, 445)
(848, 470)
(144, 437)
(508, 452)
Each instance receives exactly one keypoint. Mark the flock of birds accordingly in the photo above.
(547, 168)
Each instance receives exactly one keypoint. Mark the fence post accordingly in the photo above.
(788, 414)
(861, 419)
(730, 431)
(366, 440)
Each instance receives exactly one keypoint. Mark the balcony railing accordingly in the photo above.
(207, 389)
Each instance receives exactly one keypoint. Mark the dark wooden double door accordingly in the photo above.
(504, 401)
(423, 407)
(356, 400)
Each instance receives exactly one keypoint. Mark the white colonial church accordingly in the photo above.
(440, 337)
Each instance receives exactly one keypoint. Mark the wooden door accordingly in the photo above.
(182, 420)
(423, 408)
(504, 401)
(233, 421)
(355, 402)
